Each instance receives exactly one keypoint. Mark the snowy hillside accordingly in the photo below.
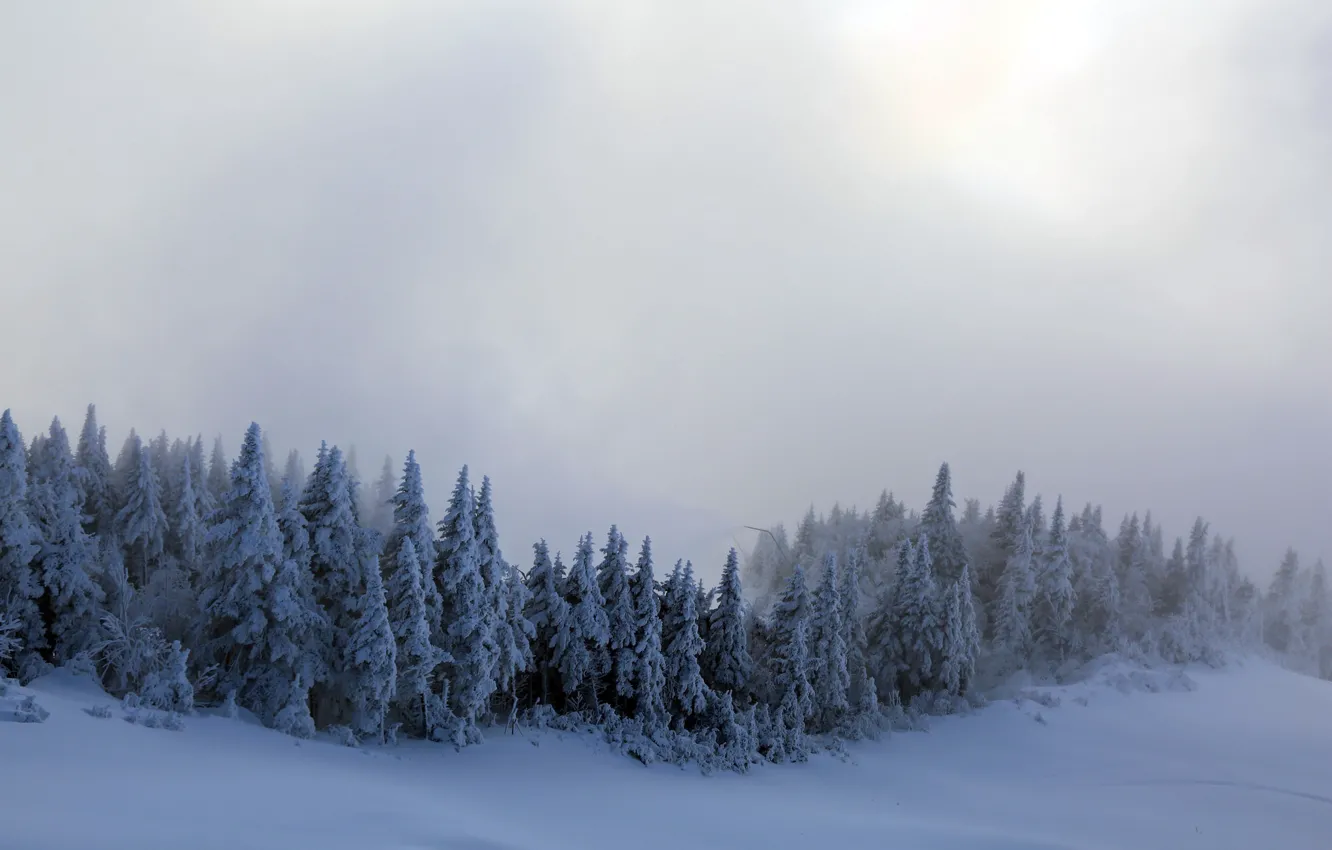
(1240, 758)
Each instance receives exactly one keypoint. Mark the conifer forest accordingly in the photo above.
(181, 576)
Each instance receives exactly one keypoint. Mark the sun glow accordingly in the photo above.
(971, 92)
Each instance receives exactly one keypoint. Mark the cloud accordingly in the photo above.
(690, 266)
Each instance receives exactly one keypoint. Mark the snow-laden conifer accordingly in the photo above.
(853, 626)
(684, 677)
(613, 582)
(19, 544)
(167, 686)
(218, 478)
(379, 517)
(141, 521)
(1053, 612)
(514, 640)
(468, 622)
(416, 657)
(728, 662)
(916, 615)
(788, 660)
(1011, 612)
(93, 467)
(650, 677)
(261, 622)
(939, 525)
(373, 652)
(187, 524)
(547, 611)
(71, 602)
(411, 519)
(337, 569)
(586, 630)
(828, 676)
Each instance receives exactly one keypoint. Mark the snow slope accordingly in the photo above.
(1244, 760)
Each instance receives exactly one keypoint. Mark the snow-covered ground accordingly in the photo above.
(1239, 758)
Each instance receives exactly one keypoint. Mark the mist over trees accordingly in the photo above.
(320, 602)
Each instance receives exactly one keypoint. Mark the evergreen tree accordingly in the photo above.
(510, 628)
(416, 657)
(411, 519)
(71, 601)
(961, 638)
(141, 520)
(187, 525)
(613, 582)
(1282, 605)
(916, 614)
(1005, 537)
(468, 634)
(19, 545)
(650, 677)
(788, 661)
(260, 622)
(937, 523)
(586, 630)
(337, 566)
(1134, 590)
(684, 677)
(218, 481)
(1012, 606)
(93, 468)
(828, 676)
(547, 611)
(514, 640)
(853, 627)
(728, 664)
(373, 650)
(1053, 612)
(380, 517)
(294, 471)
(1175, 582)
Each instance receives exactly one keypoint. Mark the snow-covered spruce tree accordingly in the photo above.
(958, 664)
(828, 675)
(586, 630)
(19, 544)
(206, 504)
(916, 611)
(853, 627)
(293, 472)
(684, 678)
(728, 666)
(141, 521)
(373, 668)
(218, 478)
(1005, 537)
(703, 612)
(515, 639)
(1053, 613)
(187, 530)
(650, 677)
(411, 519)
(1281, 607)
(938, 524)
(93, 468)
(380, 516)
(1134, 589)
(1010, 613)
(613, 582)
(71, 601)
(337, 568)
(547, 611)
(788, 659)
(260, 622)
(512, 632)
(468, 621)
(417, 657)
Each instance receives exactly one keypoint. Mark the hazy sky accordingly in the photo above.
(688, 266)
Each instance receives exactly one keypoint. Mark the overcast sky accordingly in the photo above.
(689, 266)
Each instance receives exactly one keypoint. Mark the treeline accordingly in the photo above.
(298, 598)
(318, 603)
(1049, 593)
